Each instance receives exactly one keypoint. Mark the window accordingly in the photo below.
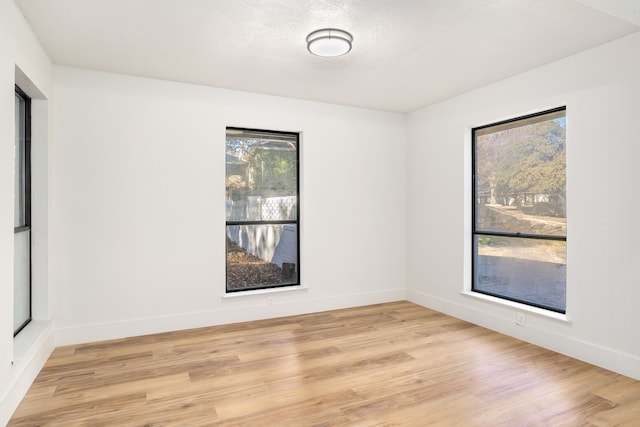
(262, 196)
(22, 214)
(519, 210)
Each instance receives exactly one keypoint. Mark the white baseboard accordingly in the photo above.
(37, 344)
(237, 309)
(607, 358)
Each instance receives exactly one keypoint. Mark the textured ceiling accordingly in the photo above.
(406, 53)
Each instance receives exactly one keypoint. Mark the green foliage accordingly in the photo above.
(525, 159)
(270, 167)
(281, 165)
(484, 240)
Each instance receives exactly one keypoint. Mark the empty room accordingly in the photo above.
(336, 212)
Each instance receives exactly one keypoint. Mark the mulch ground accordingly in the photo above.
(245, 270)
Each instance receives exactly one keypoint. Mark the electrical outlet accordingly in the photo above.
(521, 319)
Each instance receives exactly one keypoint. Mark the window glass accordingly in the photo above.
(21, 279)
(19, 156)
(261, 209)
(532, 271)
(519, 215)
(22, 214)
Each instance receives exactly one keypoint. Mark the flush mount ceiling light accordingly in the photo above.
(329, 42)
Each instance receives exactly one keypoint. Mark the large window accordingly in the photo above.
(22, 213)
(519, 210)
(262, 209)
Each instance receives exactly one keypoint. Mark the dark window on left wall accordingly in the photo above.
(262, 209)
(22, 213)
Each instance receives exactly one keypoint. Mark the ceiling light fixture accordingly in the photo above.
(329, 42)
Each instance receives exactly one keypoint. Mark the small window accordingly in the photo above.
(262, 205)
(22, 213)
(519, 210)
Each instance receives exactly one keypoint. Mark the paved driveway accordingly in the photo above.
(538, 282)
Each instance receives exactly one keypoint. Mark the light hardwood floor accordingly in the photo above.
(381, 365)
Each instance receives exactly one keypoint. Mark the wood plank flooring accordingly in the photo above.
(382, 365)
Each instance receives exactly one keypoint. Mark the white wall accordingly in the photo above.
(23, 60)
(601, 89)
(139, 207)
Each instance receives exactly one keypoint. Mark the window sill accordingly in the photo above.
(27, 338)
(231, 295)
(518, 306)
